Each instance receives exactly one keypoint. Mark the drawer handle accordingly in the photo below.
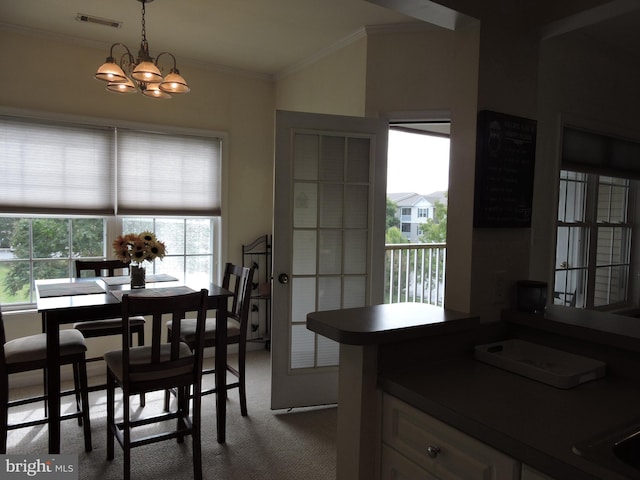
(433, 451)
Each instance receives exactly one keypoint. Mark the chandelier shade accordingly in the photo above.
(174, 83)
(147, 72)
(110, 71)
(142, 74)
(122, 87)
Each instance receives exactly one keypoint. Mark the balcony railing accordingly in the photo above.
(414, 272)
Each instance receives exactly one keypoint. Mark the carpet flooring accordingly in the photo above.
(265, 445)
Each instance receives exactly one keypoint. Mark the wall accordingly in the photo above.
(240, 105)
(409, 70)
(412, 73)
(589, 85)
(56, 76)
(429, 74)
(333, 84)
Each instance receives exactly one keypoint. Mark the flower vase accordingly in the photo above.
(137, 276)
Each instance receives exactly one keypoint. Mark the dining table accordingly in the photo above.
(64, 301)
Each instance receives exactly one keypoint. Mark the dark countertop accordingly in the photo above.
(388, 323)
(528, 420)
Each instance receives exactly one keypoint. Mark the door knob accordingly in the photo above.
(283, 278)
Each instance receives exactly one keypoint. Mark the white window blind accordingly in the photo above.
(167, 174)
(65, 168)
(55, 168)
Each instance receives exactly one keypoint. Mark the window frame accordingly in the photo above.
(113, 221)
(588, 227)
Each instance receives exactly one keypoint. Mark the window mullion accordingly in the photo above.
(591, 213)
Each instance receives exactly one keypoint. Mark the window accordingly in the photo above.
(406, 228)
(423, 212)
(44, 247)
(594, 248)
(190, 245)
(66, 191)
(406, 212)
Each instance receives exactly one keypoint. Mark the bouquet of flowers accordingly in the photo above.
(138, 248)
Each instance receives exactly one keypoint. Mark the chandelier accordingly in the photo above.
(144, 75)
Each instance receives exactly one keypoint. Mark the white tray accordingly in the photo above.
(553, 367)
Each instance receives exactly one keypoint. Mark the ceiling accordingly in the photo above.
(261, 36)
(258, 36)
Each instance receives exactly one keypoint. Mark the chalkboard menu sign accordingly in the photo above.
(505, 160)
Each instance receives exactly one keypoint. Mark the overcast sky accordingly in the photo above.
(417, 163)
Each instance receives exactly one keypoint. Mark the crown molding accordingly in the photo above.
(354, 37)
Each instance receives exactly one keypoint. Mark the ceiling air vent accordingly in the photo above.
(81, 17)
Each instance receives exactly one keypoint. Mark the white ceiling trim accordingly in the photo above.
(589, 17)
(354, 37)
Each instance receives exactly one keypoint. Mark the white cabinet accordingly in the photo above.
(416, 446)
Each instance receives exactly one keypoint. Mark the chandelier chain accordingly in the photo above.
(144, 29)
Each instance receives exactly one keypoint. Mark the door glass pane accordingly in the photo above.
(328, 352)
(331, 205)
(358, 154)
(302, 347)
(305, 205)
(332, 164)
(355, 251)
(305, 157)
(330, 253)
(303, 298)
(329, 293)
(304, 252)
(356, 206)
(354, 291)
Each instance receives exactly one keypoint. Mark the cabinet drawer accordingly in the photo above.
(440, 449)
(399, 467)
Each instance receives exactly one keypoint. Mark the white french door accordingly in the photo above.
(328, 242)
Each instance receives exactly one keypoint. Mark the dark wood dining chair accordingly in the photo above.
(159, 366)
(110, 326)
(29, 353)
(238, 280)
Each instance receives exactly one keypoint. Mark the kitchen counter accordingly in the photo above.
(532, 422)
(360, 331)
(424, 356)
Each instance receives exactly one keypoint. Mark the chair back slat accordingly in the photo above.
(3, 338)
(100, 268)
(238, 280)
(164, 356)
